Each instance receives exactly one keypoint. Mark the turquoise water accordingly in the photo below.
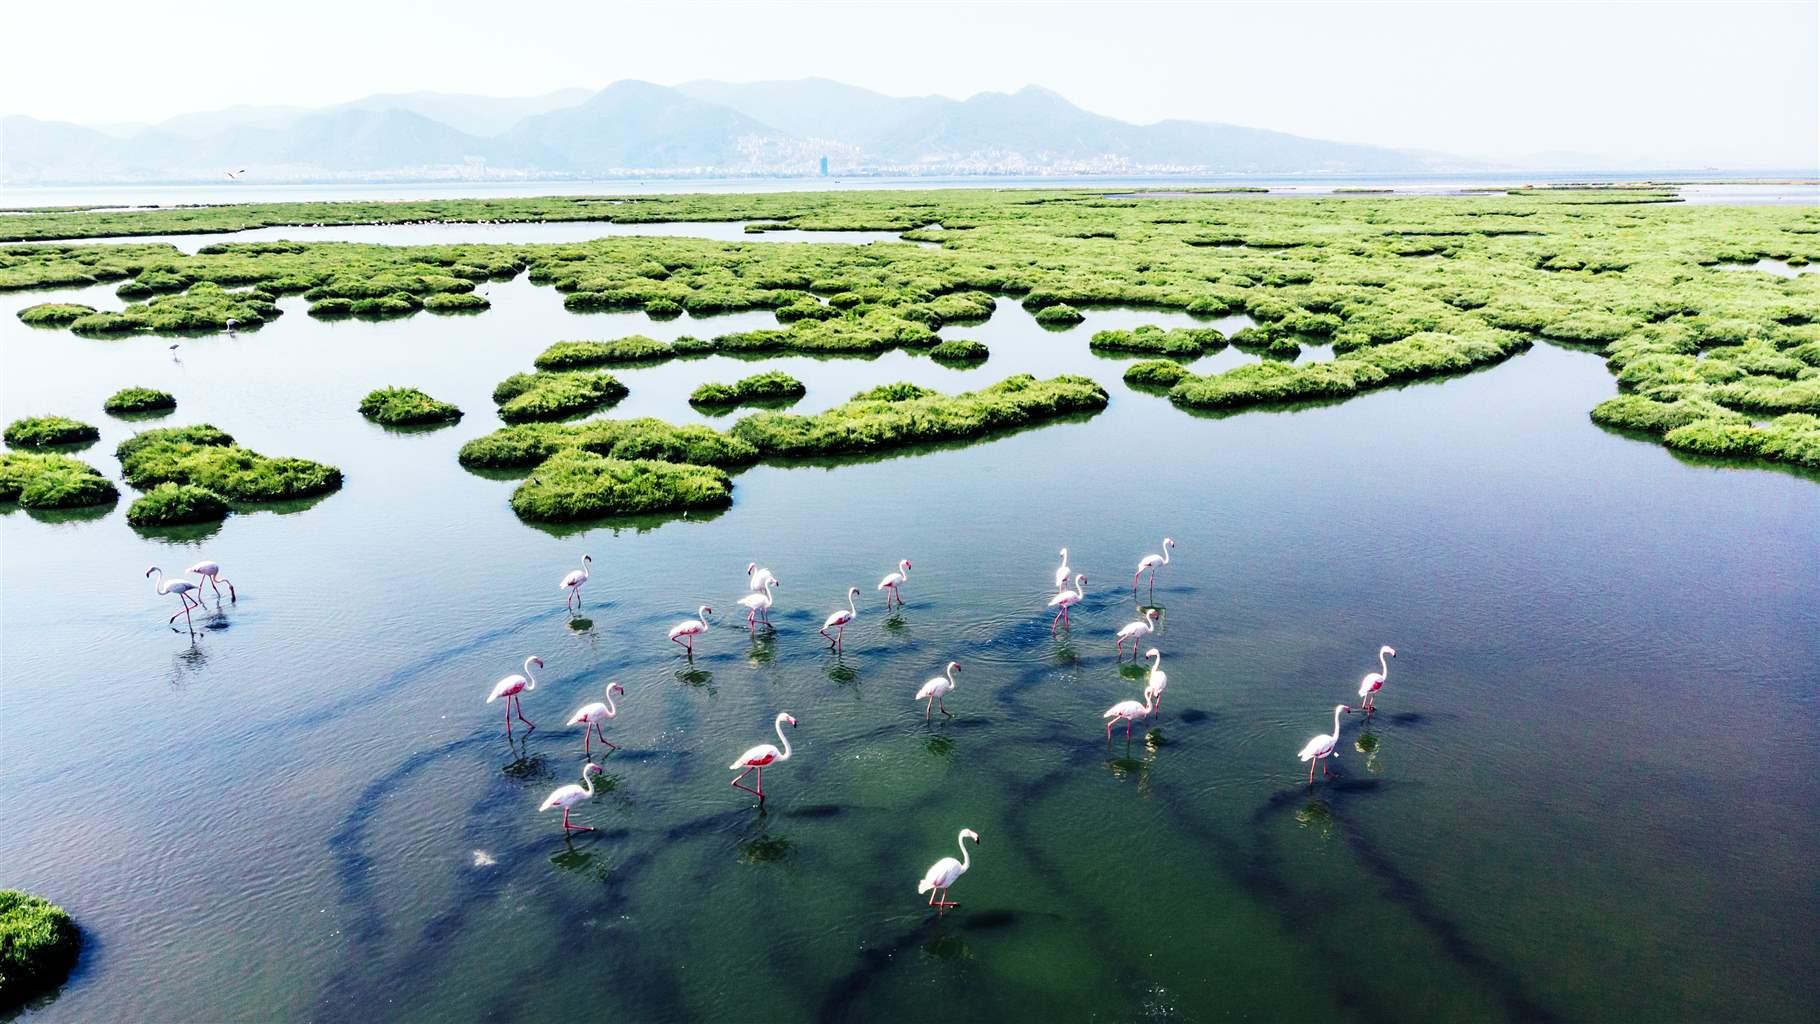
(1588, 794)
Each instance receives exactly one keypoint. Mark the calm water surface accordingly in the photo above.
(1589, 794)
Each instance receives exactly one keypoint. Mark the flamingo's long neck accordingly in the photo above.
(1080, 588)
(951, 683)
(530, 680)
(1383, 666)
(1336, 725)
(785, 756)
(587, 780)
(1155, 660)
(966, 854)
(611, 708)
(1165, 554)
(851, 609)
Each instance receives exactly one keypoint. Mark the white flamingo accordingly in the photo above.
(1374, 681)
(1320, 748)
(758, 606)
(511, 686)
(756, 577)
(1133, 632)
(942, 875)
(1158, 680)
(211, 571)
(568, 796)
(1151, 563)
(1127, 711)
(839, 620)
(687, 630)
(1062, 571)
(574, 580)
(591, 716)
(1066, 600)
(182, 589)
(935, 689)
(758, 757)
(892, 582)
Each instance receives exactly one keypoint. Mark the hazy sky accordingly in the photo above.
(1681, 84)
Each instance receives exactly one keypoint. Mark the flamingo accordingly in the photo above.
(568, 796)
(758, 757)
(182, 589)
(757, 577)
(574, 580)
(897, 579)
(1150, 564)
(759, 605)
(942, 875)
(687, 630)
(1127, 711)
(1062, 571)
(839, 620)
(1136, 631)
(1067, 599)
(511, 686)
(1374, 681)
(590, 718)
(1158, 681)
(211, 571)
(1322, 746)
(935, 689)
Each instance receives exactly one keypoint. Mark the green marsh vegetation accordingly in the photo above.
(1186, 343)
(38, 947)
(49, 432)
(1401, 288)
(203, 458)
(960, 352)
(554, 395)
(577, 484)
(400, 407)
(170, 504)
(768, 387)
(129, 401)
(49, 480)
(636, 350)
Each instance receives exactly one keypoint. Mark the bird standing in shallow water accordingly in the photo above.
(182, 589)
(1062, 571)
(1317, 750)
(687, 630)
(755, 759)
(510, 687)
(1135, 631)
(568, 796)
(758, 606)
(211, 571)
(891, 583)
(1151, 563)
(1127, 711)
(935, 689)
(1374, 681)
(574, 580)
(1066, 600)
(839, 620)
(1158, 680)
(756, 577)
(942, 875)
(591, 716)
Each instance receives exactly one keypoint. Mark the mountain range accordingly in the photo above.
(633, 128)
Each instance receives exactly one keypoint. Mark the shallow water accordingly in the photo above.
(1588, 794)
(1780, 268)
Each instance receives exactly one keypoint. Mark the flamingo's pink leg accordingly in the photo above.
(603, 737)
(944, 706)
(521, 712)
(1110, 722)
(926, 706)
(1311, 773)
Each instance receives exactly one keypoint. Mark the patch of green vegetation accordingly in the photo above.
(555, 395)
(1059, 315)
(49, 432)
(127, 401)
(770, 386)
(528, 444)
(38, 947)
(1156, 374)
(1793, 439)
(1427, 354)
(54, 314)
(902, 391)
(206, 306)
(170, 504)
(456, 302)
(960, 352)
(399, 407)
(631, 351)
(203, 456)
(1178, 343)
(576, 484)
(49, 480)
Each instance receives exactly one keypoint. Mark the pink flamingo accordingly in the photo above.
(1126, 711)
(1136, 631)
(687, 630)
(1158, 680)
(511, 686)
(758, 606)
(942, 875)
(568, 796)
(758, 757)
(1067, 599)
(1321, 747)
(756, 577)
(182, 589)
(211, 571)
(573, 581)
(1062, 571)
(839, 620)
(590, 718)
(897, 579)
(1374, 681)
(935, 689)
(1151, 563)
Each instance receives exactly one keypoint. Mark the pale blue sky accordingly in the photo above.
(1652, 84)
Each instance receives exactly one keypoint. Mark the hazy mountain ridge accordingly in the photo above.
(699, 128)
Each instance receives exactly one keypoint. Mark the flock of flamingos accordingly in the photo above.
(762, 586)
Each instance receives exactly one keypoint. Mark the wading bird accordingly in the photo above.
(1150, 563)
(511, 686)
(1322, 747)
(758, 606)
(568, 796)
(839, 620)
(1158, 680)
(1127, 711)
(756, 577)
(574, 580)
(891, 583)
(590, 718)
(942, 875)
(1374, 681)
(1067, 599)
(687, 630)
(211, 571)
(758, 757)
(182, 589)
(1135, 631)
(935, 689)
(1062, 571)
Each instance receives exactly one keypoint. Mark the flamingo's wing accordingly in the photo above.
(1371, 682)
(764, 753)
(588, 713)
(559, 797)
(1313, 748)
(940, 875)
